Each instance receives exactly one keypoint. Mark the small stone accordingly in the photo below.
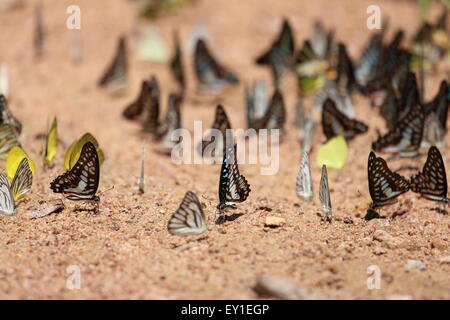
(413, 264)
(379, 250)
(348, 220)
(274, 222)
(399, 297)
(286, 289)
(439, 244)
(381, 235)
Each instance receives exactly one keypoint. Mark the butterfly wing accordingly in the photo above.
(189, 218)
(432, 181)
(221, 123)
(176, 64)
(406, 136)
(116, 73)
(22, 181)
(8, 140)
(324, 192)
(7, 205)
(51, 143)
(81, 182)
(335, 123)
(384, 185)
(303, 186)
(7, 117)
(150, 106)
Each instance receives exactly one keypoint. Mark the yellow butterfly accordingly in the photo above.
(51, 145)
(15, 156)
(333, 153)
(74, 151)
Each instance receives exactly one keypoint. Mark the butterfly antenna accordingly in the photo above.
(141, 181)
(104, 191)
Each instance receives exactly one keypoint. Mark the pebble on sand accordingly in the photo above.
(274, 222)
(286, 289)
(412, 264)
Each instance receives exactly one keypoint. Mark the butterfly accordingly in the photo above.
(275, 116)
(172, 122)
(304, 186)
(20, 185)
(384, 185)
(341, 98)
(345, 80)
(335, 123)
(299, 118)
(145, 109)
(280, 55)
(233, 187)
(368, 62)
(176, 65)
(324, 193)
(8, 140)
(189, 218)
(308, 135)
(221, 123)
(117, 71)
(51, 144)
(81, 181)
(431, 183)
(333, 153)
(7, 117)
(321, 41)
(211, 76)
(433, 132)
(15, 156)
(439, 105)
(406, 136)
(257, 101)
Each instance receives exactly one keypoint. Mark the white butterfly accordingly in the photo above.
(304, 186)
(20, 185)
(189, 218)
(324, 193)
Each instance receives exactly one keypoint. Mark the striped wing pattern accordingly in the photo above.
(189, 218)
(81, 182)
(7, 205)
(324, 192)
(8, 140)
(432, 181)
(384, 185)
(22, 181)
(303, 186)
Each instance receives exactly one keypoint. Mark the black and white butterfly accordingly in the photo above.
(280, 55)
(145, 109)
(304, 185)
(117, 72)
(189, 218)
(7, 117)
(20, 185)
(233, 187)
(257, 101)
(439, 105)
(335, 123)
(324, 193)
(406, 137)
(211, 76)
(431, 183)
(221, 123)
(275, 116)
(171, 122)
(384, 185)
(80, 182)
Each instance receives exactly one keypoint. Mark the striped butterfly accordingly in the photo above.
(7, 117)
(189, 218)
(20, 185)
(281, 53)
(304, 186)
(257, 102)
(324, 193)
(384, 185)
(233, 187)
(8, 140)
(406, 137)
(335, 123)
(176, 64)
(51, 144)
(221, 123)
(275, 116)
(145, 109)
(80, 182)
(368, 62)
(117, 72)
(440, 104)
(171, 122)
(431, 183)
(211, 76)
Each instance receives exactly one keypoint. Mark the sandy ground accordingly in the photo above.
(125, 251)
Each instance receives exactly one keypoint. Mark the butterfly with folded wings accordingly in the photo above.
(189, 218)
(303, 185)
(280, 56)
(275, 115)
(384, 185)
(406, 137)
(335, 123)
(431, 182)
(233, 187)
(80, 182)
(324, 194)
(117, 72)
(211, 76)
(221, 123)
(176, 65)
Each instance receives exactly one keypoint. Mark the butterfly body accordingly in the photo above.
(233, 187)
(80, 182)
